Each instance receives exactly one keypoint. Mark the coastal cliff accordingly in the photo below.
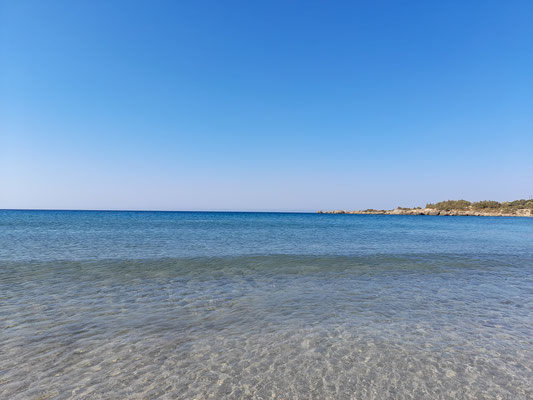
(486, 208)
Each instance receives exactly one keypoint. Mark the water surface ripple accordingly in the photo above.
(107, 305)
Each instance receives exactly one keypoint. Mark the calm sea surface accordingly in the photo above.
(148, 305)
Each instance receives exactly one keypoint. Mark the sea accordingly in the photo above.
(222, 305)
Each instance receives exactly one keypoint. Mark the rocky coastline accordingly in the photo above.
(433, 211)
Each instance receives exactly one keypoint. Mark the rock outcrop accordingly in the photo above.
(433, 211)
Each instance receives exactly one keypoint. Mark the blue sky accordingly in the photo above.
(245, 105)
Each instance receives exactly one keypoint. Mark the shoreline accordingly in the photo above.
(434, 212)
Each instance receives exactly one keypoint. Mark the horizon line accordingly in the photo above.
(147, 210)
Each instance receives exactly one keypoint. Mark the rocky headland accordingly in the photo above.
(486, 208)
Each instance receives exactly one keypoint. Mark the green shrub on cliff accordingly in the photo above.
(516, 204)
(450, 205)
(486, 204)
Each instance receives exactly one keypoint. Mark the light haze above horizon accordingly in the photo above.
(264, 106)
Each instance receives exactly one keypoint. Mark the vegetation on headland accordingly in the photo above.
(523, 208)
(488, 205)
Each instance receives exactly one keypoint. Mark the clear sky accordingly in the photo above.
(226, 105)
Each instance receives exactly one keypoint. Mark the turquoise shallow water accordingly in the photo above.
(245, 305)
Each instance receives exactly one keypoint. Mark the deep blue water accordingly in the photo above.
(260, 305)
(79, 235)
